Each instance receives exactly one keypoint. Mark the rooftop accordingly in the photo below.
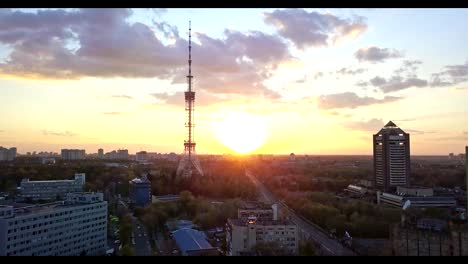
(188, 239)
(391, 128)
(254, 205)
(244, 222)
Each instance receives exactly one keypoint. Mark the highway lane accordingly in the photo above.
(312, 231)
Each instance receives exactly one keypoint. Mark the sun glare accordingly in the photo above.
(241, 132)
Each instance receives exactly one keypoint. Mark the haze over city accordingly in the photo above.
(311, 81)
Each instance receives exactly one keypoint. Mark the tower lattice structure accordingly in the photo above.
(189, 164)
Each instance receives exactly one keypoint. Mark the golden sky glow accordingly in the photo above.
(259, 88)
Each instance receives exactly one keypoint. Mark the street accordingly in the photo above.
(140, 239)
(312, 231)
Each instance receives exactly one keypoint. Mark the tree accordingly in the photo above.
(306, 248)
(126, 250)
(270, 248)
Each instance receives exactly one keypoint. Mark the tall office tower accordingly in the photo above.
(189, 164)
(391, 158)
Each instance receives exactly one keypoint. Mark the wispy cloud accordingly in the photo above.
(351, 100)
(371, 125)
(350, 71)
(376, 54)
(418, 132)
(123, 96)
(58, 133)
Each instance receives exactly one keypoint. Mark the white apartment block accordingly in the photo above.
(72, 227)
(51, 190)
(73, 154)
(7, 154)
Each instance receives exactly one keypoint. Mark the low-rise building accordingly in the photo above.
(76, 226)
(192, 242)
(259, 223)
(50, 190)
(140, 191)
(354, 189)
(396, 200)
(429, 237)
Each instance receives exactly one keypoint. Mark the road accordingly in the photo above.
(312, 231)
(140, 237)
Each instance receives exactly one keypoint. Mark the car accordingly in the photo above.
(117, 242)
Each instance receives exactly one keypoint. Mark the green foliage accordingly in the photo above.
(125, 230)
(126, 250)
(306, 248)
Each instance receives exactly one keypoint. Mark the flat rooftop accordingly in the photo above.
(243, 222)
(251, 205)
(189, 240)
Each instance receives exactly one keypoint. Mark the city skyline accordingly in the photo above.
(308, 81)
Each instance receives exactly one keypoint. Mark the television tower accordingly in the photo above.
(189, 164)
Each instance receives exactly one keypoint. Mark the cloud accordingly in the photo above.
(302, 80)
(122, 96)
(405, 120)
(59, 44)
(376, 54)
(367, 126)
(396, 83)
(314, 29)
(409, 67)
(318, 75)
(362, 83)
(350, 100)
(450, 75)
(60, 134)
(113, 113)
(463, 136)
(348, 71)
(413, 131)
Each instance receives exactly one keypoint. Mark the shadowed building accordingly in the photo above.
(391, 158)
(140, 191)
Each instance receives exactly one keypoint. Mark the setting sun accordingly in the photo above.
(241, 132)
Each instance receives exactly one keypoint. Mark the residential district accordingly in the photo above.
(118, 204)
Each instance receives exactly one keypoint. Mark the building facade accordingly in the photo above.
(395, 200)
(100, 153)
(423, 241)
(51, 190)
(76, 226)
(260, 225)
(141, 156)
(140, 191)
(73, 154)
(391, 147)
(7, 154)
